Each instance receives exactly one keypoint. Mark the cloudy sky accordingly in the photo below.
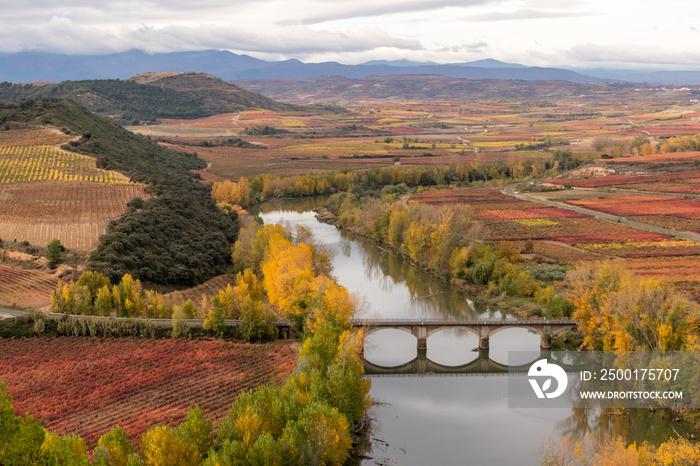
(562, 33)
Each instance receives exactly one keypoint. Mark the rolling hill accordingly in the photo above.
(178, 235)
(150, 96)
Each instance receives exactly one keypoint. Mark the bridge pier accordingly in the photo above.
(483, 343)
(484, 334)
(546, 341)
(422, 360)
(421, 334)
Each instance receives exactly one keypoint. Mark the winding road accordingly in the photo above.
(510, 190)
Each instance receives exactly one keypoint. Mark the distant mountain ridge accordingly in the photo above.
(35, 66)
(38, 66)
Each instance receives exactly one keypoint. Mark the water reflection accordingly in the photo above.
(458, 419)
(393, 286)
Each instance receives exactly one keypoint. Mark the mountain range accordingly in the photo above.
(37, 67)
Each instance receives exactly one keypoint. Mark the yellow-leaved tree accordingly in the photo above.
(619, 311)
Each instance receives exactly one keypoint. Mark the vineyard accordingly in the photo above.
(76, 214)
(24, 164)
(33, 137)
(86, 386)
(25, 288)
(560, 233)
(208, 289)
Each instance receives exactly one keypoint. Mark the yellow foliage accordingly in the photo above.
(284, 265)
(160, 446)
(231, 192)
(619, 311)
(677, 452)
(249, 426)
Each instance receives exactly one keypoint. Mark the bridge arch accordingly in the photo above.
(495, 330)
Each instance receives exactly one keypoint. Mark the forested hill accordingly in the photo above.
(212, 94)
(150, 96)
(178, 236)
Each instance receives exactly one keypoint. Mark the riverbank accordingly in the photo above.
(491, 296)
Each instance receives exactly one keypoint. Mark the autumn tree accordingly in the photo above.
(161, 446)
(619, 311)
(113, 448)
(180, 327)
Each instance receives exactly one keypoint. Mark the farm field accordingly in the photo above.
(510, 219)
(85, 386)
(23, 164)
(570, 237)
(48, 193)
(25, 288)
(33, 137)
(75, 213)
(209, 288)
(430, 131)
(659, 190)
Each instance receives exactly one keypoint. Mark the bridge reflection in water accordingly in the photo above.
(482, 365)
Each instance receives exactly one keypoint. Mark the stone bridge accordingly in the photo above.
(482, 328)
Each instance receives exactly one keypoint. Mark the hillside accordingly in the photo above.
(178, 236)
(212, 95)
(150, 96)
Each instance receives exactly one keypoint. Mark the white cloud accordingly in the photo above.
(532, 32)
(525, 14)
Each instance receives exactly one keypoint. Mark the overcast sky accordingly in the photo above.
(561, 33)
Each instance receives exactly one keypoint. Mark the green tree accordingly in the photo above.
(180, 327)
(54, 253)
(197, 430)
(113, 448)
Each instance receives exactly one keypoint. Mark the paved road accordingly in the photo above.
(10, 312)
(510, 190)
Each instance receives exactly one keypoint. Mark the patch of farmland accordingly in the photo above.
(76, 213)
(85, 386)
(33, 137)
(632, 206)
(24, 164)
(25, 288)
(208, 289)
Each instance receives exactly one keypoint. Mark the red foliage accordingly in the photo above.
(540, 212)
(629, 205)
(609, 238)
(85, 386)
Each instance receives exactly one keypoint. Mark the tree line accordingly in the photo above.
(449, 242)
(262, 187)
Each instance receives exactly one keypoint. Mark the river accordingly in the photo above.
(428, 419)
